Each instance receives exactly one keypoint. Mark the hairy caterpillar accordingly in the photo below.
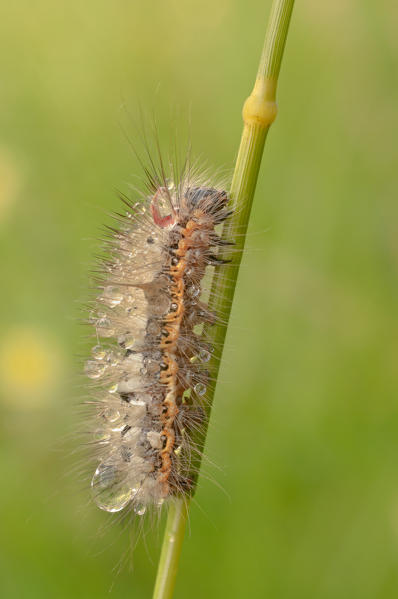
(148, 366)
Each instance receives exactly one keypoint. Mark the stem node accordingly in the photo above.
(260, 107)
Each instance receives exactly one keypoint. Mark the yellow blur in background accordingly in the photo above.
(28, 368)
(305, 421)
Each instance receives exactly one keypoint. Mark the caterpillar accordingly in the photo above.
(148, 367)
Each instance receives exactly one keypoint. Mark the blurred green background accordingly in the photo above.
(305, 421)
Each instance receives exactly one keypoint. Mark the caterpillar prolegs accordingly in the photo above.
(148, 367)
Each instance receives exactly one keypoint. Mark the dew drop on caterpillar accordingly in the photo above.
(148, 366)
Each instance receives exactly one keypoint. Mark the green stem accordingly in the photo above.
(171, 548)
(259, 112)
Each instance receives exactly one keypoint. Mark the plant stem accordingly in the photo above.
(171, 548)
(259, 112)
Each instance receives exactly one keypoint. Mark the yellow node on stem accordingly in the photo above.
(260, 107)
